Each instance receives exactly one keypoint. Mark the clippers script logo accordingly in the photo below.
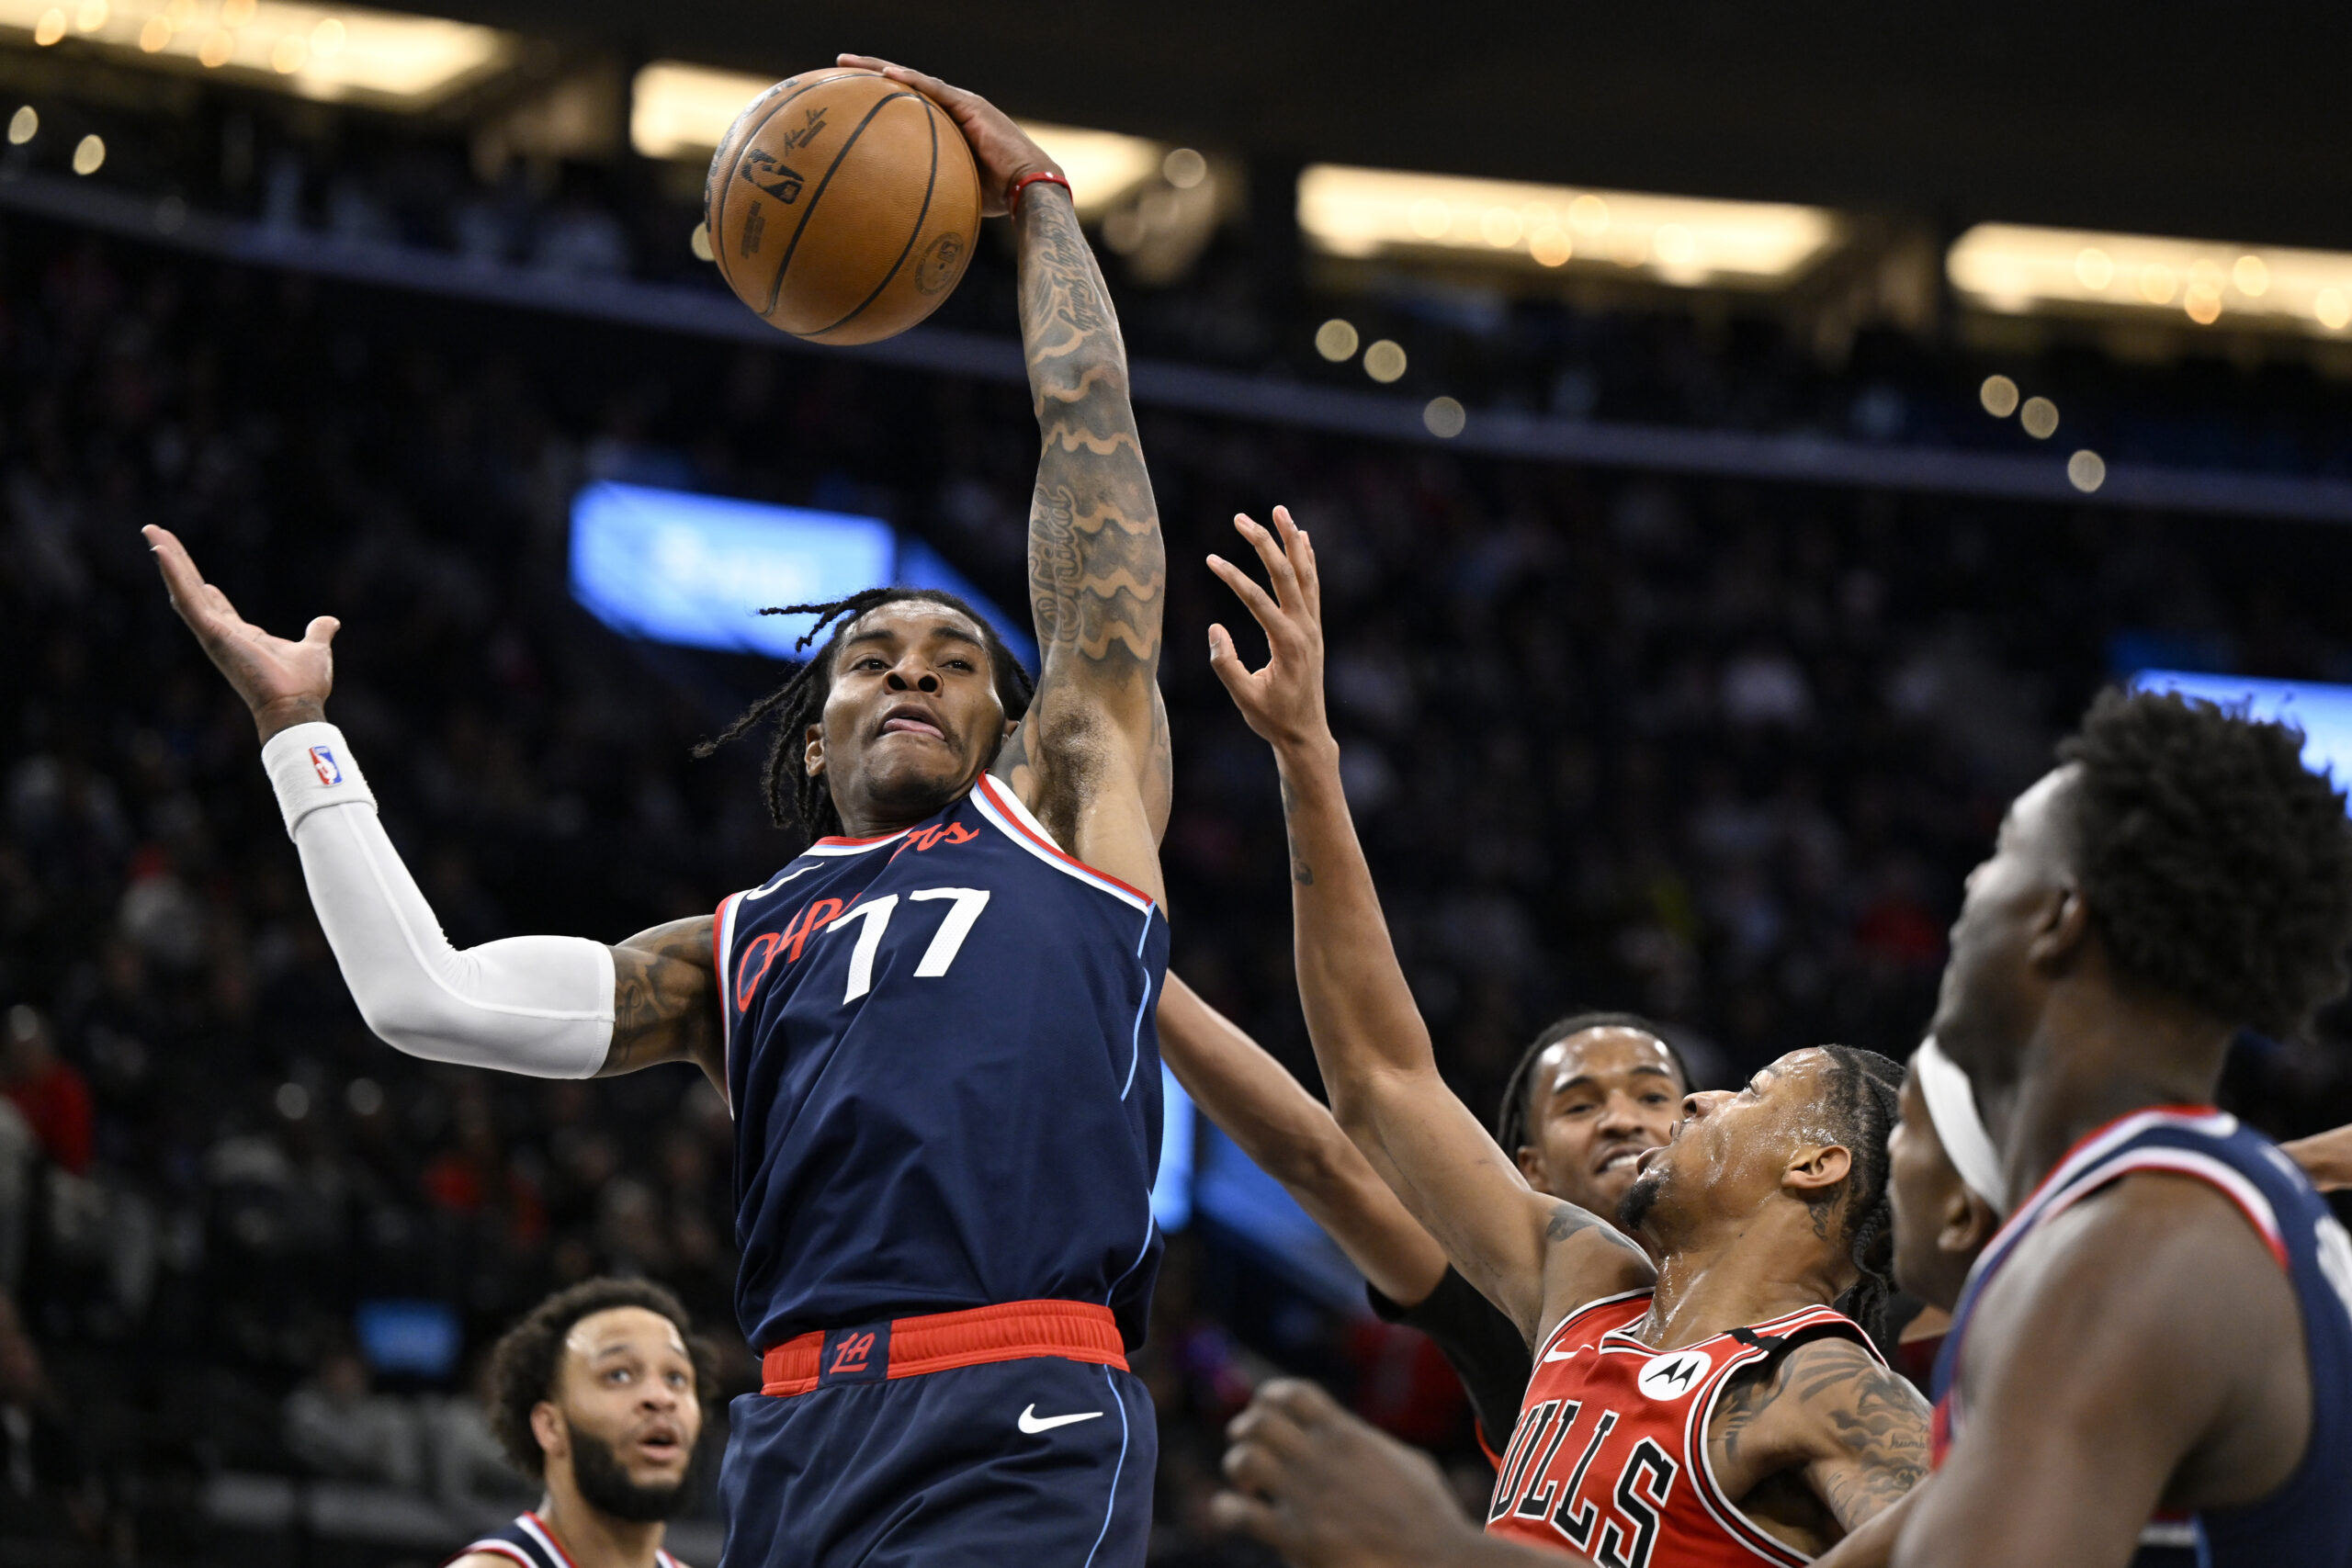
(1674, 1374)
(324, 764)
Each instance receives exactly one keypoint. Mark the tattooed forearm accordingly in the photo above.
(1300, 872)
(665, 998)
(1097, 568)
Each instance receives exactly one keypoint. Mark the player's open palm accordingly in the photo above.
(284, 683)
(1282, 702)
(1004, 151)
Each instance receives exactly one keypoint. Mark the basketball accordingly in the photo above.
(842, 206)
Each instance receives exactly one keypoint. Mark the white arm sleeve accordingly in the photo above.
(537, 1004)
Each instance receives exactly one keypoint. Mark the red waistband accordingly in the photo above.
(909, 1347)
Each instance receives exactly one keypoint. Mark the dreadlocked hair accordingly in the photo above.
(1516, 1115)
(797, 799)
(1863, 1092)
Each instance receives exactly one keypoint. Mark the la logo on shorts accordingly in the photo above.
(1674, 1374)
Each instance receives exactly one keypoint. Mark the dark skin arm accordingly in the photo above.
(1092, 757)
(2326, 1158)
(1327, 1491)
(665, 994)
(2142, 1352)
(1289, 1134)
(1532, 1255)
(1819, 1441)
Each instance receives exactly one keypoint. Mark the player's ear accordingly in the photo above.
(1816, 1169)
(2060, 925)
(1530, 1165)
(548, 1426)
(1969, 1222)
(812, 751)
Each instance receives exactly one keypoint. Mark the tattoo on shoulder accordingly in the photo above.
(665, 997)
(1568, 1220)
(1874, 1418)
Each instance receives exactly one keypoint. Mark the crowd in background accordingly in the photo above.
(1720, 751)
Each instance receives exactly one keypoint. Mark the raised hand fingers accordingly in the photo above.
(1272, 553)
(1254, 598)
(1301, 551)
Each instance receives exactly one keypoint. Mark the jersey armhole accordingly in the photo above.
(2231, 1183)
(1551, 1339)
(722, 946)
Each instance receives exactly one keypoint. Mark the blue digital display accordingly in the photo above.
(1171, 1195)
(675, 566)
(2321, 710)
(412, 1338)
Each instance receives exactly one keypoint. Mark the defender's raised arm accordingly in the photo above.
(1092, 757)
(1368, 1034)
(545, 1006)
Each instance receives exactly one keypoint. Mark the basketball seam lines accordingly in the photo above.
(775, 289)
(717, 221)
(930, 185)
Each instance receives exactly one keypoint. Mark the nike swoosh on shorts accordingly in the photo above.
(1033, 1423)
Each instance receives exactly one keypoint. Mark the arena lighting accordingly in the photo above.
(328, 52)
(2016, 270)
(678, 110)
(675, 566)
(1682, 240)
(2321, 710)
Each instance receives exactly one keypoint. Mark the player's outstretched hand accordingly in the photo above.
(1282, 702)
(1321, 1487)
(1002, 149)
(284, 684)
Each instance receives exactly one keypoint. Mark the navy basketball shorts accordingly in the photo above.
(960, 1439)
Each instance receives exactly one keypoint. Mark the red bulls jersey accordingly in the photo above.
(1610, 1457)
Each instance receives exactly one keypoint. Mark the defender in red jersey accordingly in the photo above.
(1708, 1407)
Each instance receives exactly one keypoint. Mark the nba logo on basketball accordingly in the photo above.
(323, 762)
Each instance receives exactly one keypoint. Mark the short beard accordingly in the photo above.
(605, 1484)
(1639, 1199)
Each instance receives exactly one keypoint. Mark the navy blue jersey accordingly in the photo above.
(529, 1542)
(945, 1069)
(2308, 1521)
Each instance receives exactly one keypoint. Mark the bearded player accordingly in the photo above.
(598, 1394)
(1712, 1408)
(934, 1027)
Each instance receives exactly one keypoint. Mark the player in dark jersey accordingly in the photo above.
(2165, 1321)
(935, 1028)
(599, 1392)
(1593, 1093)
(1707, 1408)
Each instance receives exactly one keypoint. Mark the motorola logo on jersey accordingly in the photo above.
(1674, 1374)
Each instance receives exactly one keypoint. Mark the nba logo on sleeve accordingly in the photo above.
(322, 761)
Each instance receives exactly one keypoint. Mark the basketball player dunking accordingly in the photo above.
(1711, 1409)
(2165, 1321)
(934, 1027)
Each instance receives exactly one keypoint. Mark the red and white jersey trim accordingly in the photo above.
(1001, 806)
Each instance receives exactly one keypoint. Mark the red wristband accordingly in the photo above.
(1012, 196)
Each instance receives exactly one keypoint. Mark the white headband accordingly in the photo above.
(1951, 1105)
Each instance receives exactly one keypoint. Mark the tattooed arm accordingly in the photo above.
(665, 1002)
(1532, 1256)
(1819, 1442)
(1092, 757)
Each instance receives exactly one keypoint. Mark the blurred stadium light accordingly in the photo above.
(1682, 241)
(331, 53)
(672, 566)
(680, 110)
(2321, 710)
(2014, 270)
